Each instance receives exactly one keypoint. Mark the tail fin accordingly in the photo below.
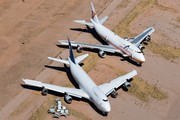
(94, 15)
(71, 52)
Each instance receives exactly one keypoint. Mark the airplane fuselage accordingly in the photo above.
(87, 85)
(125, 47)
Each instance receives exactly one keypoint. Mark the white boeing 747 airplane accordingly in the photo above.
(87, 88)
(131, 48)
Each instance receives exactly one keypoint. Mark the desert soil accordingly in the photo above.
(29, 32)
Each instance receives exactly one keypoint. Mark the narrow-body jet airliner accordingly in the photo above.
(87, 88)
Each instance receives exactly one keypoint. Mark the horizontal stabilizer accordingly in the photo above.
(83, 22)
(78, 59)
(59, 60)
(81, 58)
(102, 20)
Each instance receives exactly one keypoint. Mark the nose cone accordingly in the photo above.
(138, 57)
(107, 108)
(142, 58)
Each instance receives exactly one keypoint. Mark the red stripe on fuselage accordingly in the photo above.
(120, 49)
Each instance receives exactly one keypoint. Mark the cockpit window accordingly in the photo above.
(105, 100)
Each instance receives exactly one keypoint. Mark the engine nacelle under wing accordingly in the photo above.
(127, 85)
(79, 49)
(148, 38)
(68, 99)
(102, 54)
(44, 91)
(142, 48)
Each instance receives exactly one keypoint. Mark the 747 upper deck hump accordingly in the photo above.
(131, 48)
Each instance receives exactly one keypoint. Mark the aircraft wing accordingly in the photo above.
(102, 20)
(70, 91)
(138, 39)
(106, 48)
(107, 88)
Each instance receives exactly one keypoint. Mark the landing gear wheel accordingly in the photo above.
(114, 94)
(44, 91)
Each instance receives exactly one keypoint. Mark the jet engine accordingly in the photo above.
(126, 38)
(127, 85)
(114, 94)
(68, 99)
(148, 38)
(79, 49)
(102, 54)
(44, 91)
(142, 48)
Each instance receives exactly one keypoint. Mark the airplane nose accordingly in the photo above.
(142, 58)
(138, 58)
(107, 108)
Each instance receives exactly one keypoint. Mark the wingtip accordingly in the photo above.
(23, 79)
(135, 71)
(87, 54)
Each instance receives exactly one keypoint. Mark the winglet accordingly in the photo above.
(71, 52)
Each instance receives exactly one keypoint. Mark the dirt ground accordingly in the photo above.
(29, 32)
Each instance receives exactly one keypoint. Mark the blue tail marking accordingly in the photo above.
(71, 52)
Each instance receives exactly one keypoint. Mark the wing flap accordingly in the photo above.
(107, 88)
(71, 91)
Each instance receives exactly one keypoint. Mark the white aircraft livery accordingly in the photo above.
(131, 48)
(87, 88)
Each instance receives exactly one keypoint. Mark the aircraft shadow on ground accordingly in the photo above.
(68, 72)
(91, 31)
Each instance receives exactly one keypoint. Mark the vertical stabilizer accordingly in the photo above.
(94, 15)
(71, 52)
